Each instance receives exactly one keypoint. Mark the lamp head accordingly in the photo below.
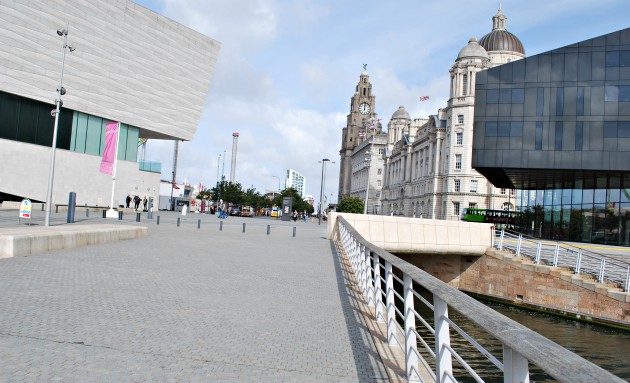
(62, 31)
(62, 91)
(72, 49)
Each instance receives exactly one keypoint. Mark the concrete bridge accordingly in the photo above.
(244, 301)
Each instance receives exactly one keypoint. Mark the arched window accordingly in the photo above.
(465, 89)
(507, 206)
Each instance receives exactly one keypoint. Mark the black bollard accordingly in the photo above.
(158, 220)
(178, 221)
(72, 201)
(137, 217)
(87, 212)
(243, 227)
(120, 215)
(294, 229)
(221, 226)
(56, 208)
(198, 224)
(268, 229)
(104, 213)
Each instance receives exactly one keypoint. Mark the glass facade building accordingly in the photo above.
(557, 127)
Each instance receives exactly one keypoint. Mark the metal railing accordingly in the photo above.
(558, 254)
(376, 272)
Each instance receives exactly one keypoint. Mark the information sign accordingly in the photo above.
(25, 210)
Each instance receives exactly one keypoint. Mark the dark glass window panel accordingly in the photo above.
(538, 136)
(64, 132)
(491, 129)
(504, 129)
(9, 109)
(612, 58)
(548, 198)
(611, 93)
(579, 135)
(492, 96)
(624, 93)
(559, 101)
(506, 73)
(540, 102)
(505, 96)
(516, 129)
(27, 127)
(559, 131)
(623, 129)
(584, 66)
(539, 197)
(518, 96)
(610, 129)
(518, 71)
(570, 67)
(624, 58)
(580, 102)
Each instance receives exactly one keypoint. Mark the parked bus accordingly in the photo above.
(500, 218)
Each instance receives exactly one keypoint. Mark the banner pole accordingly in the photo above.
(111, 205)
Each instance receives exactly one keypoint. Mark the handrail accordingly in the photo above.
(562, 254)
(520, 344)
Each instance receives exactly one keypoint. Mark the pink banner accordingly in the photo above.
(109, 154)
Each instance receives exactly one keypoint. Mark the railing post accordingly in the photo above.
(390, 302)
(411, 342)
(369, 281)
(378, 291)
(538, 251)
(578, 262)
(443, 357)
(602, 270)
(363, 266)
(515, 368)
(501, 239)
(556, 254)
(518, 245)
(627, 284)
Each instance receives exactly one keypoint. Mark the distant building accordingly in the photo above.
(296, 181)
(428, 163)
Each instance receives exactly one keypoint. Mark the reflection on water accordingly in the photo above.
(610, 349)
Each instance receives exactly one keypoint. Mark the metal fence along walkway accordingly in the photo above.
(559, 254)
(392, 287)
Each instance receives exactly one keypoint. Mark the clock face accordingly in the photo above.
(364, 108)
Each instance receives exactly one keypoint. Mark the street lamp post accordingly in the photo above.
(63, 32)
(278, 183)
(321, 192)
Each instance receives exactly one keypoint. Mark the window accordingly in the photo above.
(378, 194)
(559, 131)
(538, 135)
(503, 191)
(460, 119)
(378, 183)
(458, 161)
(460, 138)
(381, 151)
(473, 186)
(458, 184)
(465, 85)
(456, 208)
(472, 205)
(380, 171)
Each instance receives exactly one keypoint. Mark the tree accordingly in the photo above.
(228, 191)
(350, 205)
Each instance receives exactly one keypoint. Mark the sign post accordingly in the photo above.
(25, 211)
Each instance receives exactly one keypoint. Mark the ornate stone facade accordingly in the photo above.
(428, 162)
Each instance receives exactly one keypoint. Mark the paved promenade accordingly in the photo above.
(184, 305)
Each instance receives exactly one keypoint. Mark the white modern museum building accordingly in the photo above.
(122, 63)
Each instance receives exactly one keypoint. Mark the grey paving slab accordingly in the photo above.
(185, 305)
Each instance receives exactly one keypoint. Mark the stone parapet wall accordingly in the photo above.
(416, 235)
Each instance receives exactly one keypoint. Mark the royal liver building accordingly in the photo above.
(426, 164)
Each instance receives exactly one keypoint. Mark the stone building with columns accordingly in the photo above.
(428, 170)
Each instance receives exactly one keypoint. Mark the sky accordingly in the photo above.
(287, 70)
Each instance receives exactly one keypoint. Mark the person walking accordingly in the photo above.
(128, 200)
(144, 203)
(305, 215)
(136, 201)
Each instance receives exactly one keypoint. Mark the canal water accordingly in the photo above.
(607, 348)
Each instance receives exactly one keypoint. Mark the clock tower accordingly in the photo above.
(362, 107)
